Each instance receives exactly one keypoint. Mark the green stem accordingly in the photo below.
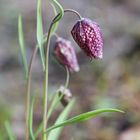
(45, 97)
(45, 106)
(28, 93)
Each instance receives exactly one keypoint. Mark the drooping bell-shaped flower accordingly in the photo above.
(66, 55)
(88, 36)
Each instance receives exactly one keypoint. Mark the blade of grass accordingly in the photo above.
(54, 135)
(39, 129)
(61, 10)
(22, 45)
(9, 131)
(54, 104)
(40, 33)
(55, 26)
(83, 117)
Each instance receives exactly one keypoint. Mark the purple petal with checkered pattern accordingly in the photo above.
(66, 55)
(88, 36)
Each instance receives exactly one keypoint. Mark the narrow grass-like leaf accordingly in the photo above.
(55, 26)
(83, 117)
(31, 120)
(22, 45)
(54, 103)
(40, 33)
(54, 135)
(39, 129)
(9, 131)
(61, 10)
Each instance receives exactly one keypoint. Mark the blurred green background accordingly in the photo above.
(111, 82)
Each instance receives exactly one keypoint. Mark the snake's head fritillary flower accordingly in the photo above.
(66, 55)
(88, 36)
(66, 95)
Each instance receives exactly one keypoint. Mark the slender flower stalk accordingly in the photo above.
(28, 93)
(45, 102)
(45, 97)
(68, 77)
(64, 88)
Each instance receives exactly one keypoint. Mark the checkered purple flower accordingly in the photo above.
(88, 36)
(66, 55)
